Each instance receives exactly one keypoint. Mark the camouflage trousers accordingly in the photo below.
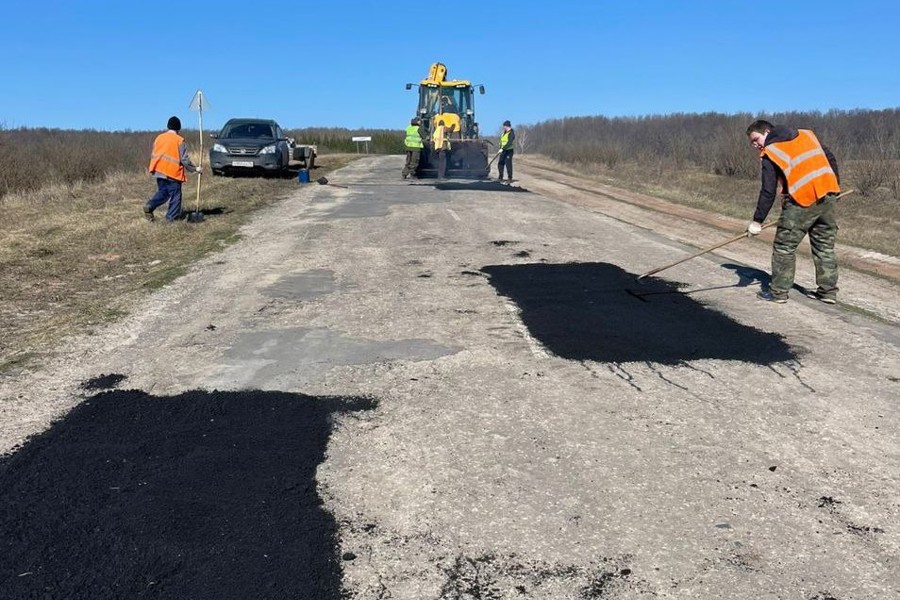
(794, 224)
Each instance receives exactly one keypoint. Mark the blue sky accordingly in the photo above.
(129, 65)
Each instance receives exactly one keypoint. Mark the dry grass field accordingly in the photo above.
(73, 256)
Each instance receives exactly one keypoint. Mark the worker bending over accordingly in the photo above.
(808, 174)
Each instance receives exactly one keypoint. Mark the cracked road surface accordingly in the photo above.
(389, 390)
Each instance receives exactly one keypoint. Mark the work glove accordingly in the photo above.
(199, 169)
(754, 228)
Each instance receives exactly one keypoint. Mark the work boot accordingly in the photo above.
(770, 297)
(148, 213)
(817, 296)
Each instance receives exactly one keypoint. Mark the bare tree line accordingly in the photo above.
(868, 140)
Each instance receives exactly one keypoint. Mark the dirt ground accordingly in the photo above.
(391, 390)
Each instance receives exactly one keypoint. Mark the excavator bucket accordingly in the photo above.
(466, 159)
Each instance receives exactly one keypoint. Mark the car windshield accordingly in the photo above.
(247, 130)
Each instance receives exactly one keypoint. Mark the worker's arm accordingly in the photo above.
(833, 162)
(186, 160)
(769, 177)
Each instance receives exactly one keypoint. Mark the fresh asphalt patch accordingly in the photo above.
(589, 311)
(200, 495)
(479, 186)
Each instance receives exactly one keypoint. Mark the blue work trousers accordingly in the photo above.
(169, 191)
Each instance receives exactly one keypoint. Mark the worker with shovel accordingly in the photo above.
(808, 174)
(506, 149)
(168, 162)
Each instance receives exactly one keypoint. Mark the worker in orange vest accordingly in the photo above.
(810, 185)
(168, 162)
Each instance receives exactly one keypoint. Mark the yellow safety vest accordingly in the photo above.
(439, 139)
(413, 139)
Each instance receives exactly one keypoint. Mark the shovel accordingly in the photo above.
(704, 251)
(719, 245)
(197, 216)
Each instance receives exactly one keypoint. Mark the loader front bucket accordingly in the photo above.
(467, 159)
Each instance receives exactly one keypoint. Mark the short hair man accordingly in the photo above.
(808, 173)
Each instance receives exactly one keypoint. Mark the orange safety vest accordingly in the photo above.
(805, 167)
(166, 157)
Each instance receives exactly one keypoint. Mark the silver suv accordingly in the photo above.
(250, 146)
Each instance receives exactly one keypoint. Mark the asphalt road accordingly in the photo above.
(390, 390)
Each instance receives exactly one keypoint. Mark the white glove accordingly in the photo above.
(199, 169)
(754, 228)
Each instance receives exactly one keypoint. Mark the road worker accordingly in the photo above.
(168, 162)
(440, 144)
(809, 178)
(506, 149)
(415, 135)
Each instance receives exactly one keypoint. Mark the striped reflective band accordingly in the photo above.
(166, 157)
(793, 162)
(807, 178)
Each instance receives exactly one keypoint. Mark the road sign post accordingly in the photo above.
(362, 138)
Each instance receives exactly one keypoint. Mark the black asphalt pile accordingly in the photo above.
(478, 186)
(201, 495)
(584, 311)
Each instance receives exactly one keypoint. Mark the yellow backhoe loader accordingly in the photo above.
(453, 102)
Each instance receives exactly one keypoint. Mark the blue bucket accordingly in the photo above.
(303, 176)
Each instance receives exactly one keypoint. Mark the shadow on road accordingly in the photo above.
(593, 311)
(201, 495)
(748, 276)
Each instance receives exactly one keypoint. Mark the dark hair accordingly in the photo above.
(507, 124)
(174, 124)
(414, 121)
(760, 126)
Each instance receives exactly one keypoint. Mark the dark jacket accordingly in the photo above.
(771, 174)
